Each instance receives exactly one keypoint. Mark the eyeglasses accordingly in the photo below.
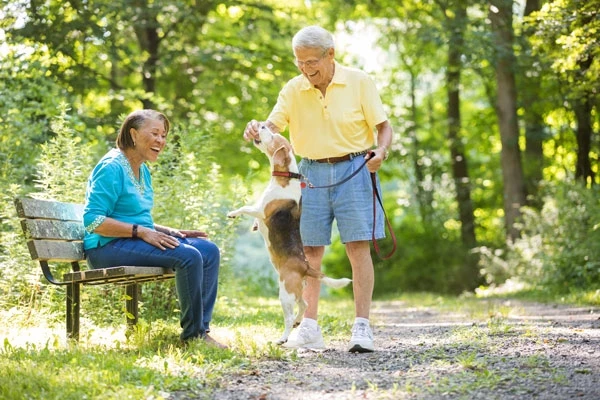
(309, 63)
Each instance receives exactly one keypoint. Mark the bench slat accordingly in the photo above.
(121, 274)
(46, 209)
(50, 250)
(50, 229)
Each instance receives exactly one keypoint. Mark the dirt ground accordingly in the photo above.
(517, 351)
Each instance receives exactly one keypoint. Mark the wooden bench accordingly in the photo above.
(54, 233)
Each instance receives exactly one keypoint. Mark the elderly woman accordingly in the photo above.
(333, 113)
(119, 229)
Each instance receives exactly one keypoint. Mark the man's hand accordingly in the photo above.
(376, 158)
(251, 131)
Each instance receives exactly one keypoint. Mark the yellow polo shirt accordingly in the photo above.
(342, 122)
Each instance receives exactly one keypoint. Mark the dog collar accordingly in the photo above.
(287, 174)
(293, 175)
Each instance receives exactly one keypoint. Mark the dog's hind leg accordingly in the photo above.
(301, 308)
(287, 305)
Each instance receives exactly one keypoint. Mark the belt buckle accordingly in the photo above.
(329, 160)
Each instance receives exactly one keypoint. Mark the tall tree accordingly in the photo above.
(567, 38)
(456, 20)
(530, 73)
(514, 190)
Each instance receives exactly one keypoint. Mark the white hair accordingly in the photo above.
(313, 37)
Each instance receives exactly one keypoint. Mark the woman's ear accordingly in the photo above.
(133, 132)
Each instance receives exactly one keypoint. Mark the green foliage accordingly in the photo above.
(27, 104)
(18, 278)
(64, 163)
(560, 247)
(567, 38)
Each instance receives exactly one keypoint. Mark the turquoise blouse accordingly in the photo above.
(113, 191)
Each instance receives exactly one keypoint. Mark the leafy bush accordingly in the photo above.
(560, 245)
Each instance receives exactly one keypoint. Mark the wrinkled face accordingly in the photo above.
(274, 145)
(315, 64)
(149, 139)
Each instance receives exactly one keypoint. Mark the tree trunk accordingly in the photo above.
(534, 120)
(470, 273)
(146, 31)
(583, 113)
(424, 196)
(506, 109)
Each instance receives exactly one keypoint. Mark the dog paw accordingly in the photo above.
(231, 215)
(281, 341)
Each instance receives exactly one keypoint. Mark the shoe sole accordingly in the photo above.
(310, 346)
(357, 348)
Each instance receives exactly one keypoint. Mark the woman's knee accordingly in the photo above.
(208, 249)
(187, 257)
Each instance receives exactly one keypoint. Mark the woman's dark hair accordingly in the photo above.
(135, 120)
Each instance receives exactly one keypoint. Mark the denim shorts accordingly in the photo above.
(350, 204)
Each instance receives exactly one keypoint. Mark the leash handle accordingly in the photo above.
(387, 221)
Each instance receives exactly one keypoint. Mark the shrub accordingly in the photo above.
(560, 244)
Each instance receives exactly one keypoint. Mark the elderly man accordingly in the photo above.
(333, 112)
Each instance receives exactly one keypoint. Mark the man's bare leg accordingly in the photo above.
(314, 255)
(363, 276)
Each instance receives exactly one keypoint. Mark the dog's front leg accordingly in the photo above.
(253, 211)
(287, 305)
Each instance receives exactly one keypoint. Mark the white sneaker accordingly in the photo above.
(305, 337)
(362, 338)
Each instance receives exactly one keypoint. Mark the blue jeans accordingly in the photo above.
(196, 264)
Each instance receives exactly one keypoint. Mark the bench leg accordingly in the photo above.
(131, 304)
(73, 305)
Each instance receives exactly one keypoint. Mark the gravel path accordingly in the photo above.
(516, 351)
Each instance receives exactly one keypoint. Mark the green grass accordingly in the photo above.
(36, 361)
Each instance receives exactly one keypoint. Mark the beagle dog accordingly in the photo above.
(277, 214)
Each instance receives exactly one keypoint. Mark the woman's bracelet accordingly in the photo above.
(134, 230)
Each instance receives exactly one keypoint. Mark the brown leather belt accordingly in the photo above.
(334, 160)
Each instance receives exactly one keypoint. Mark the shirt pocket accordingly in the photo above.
(353, 123)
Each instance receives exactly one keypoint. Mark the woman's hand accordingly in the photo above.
(162, 240)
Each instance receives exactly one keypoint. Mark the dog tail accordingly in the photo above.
(335, 283)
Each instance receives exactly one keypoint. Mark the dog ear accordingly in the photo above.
(281, 157)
